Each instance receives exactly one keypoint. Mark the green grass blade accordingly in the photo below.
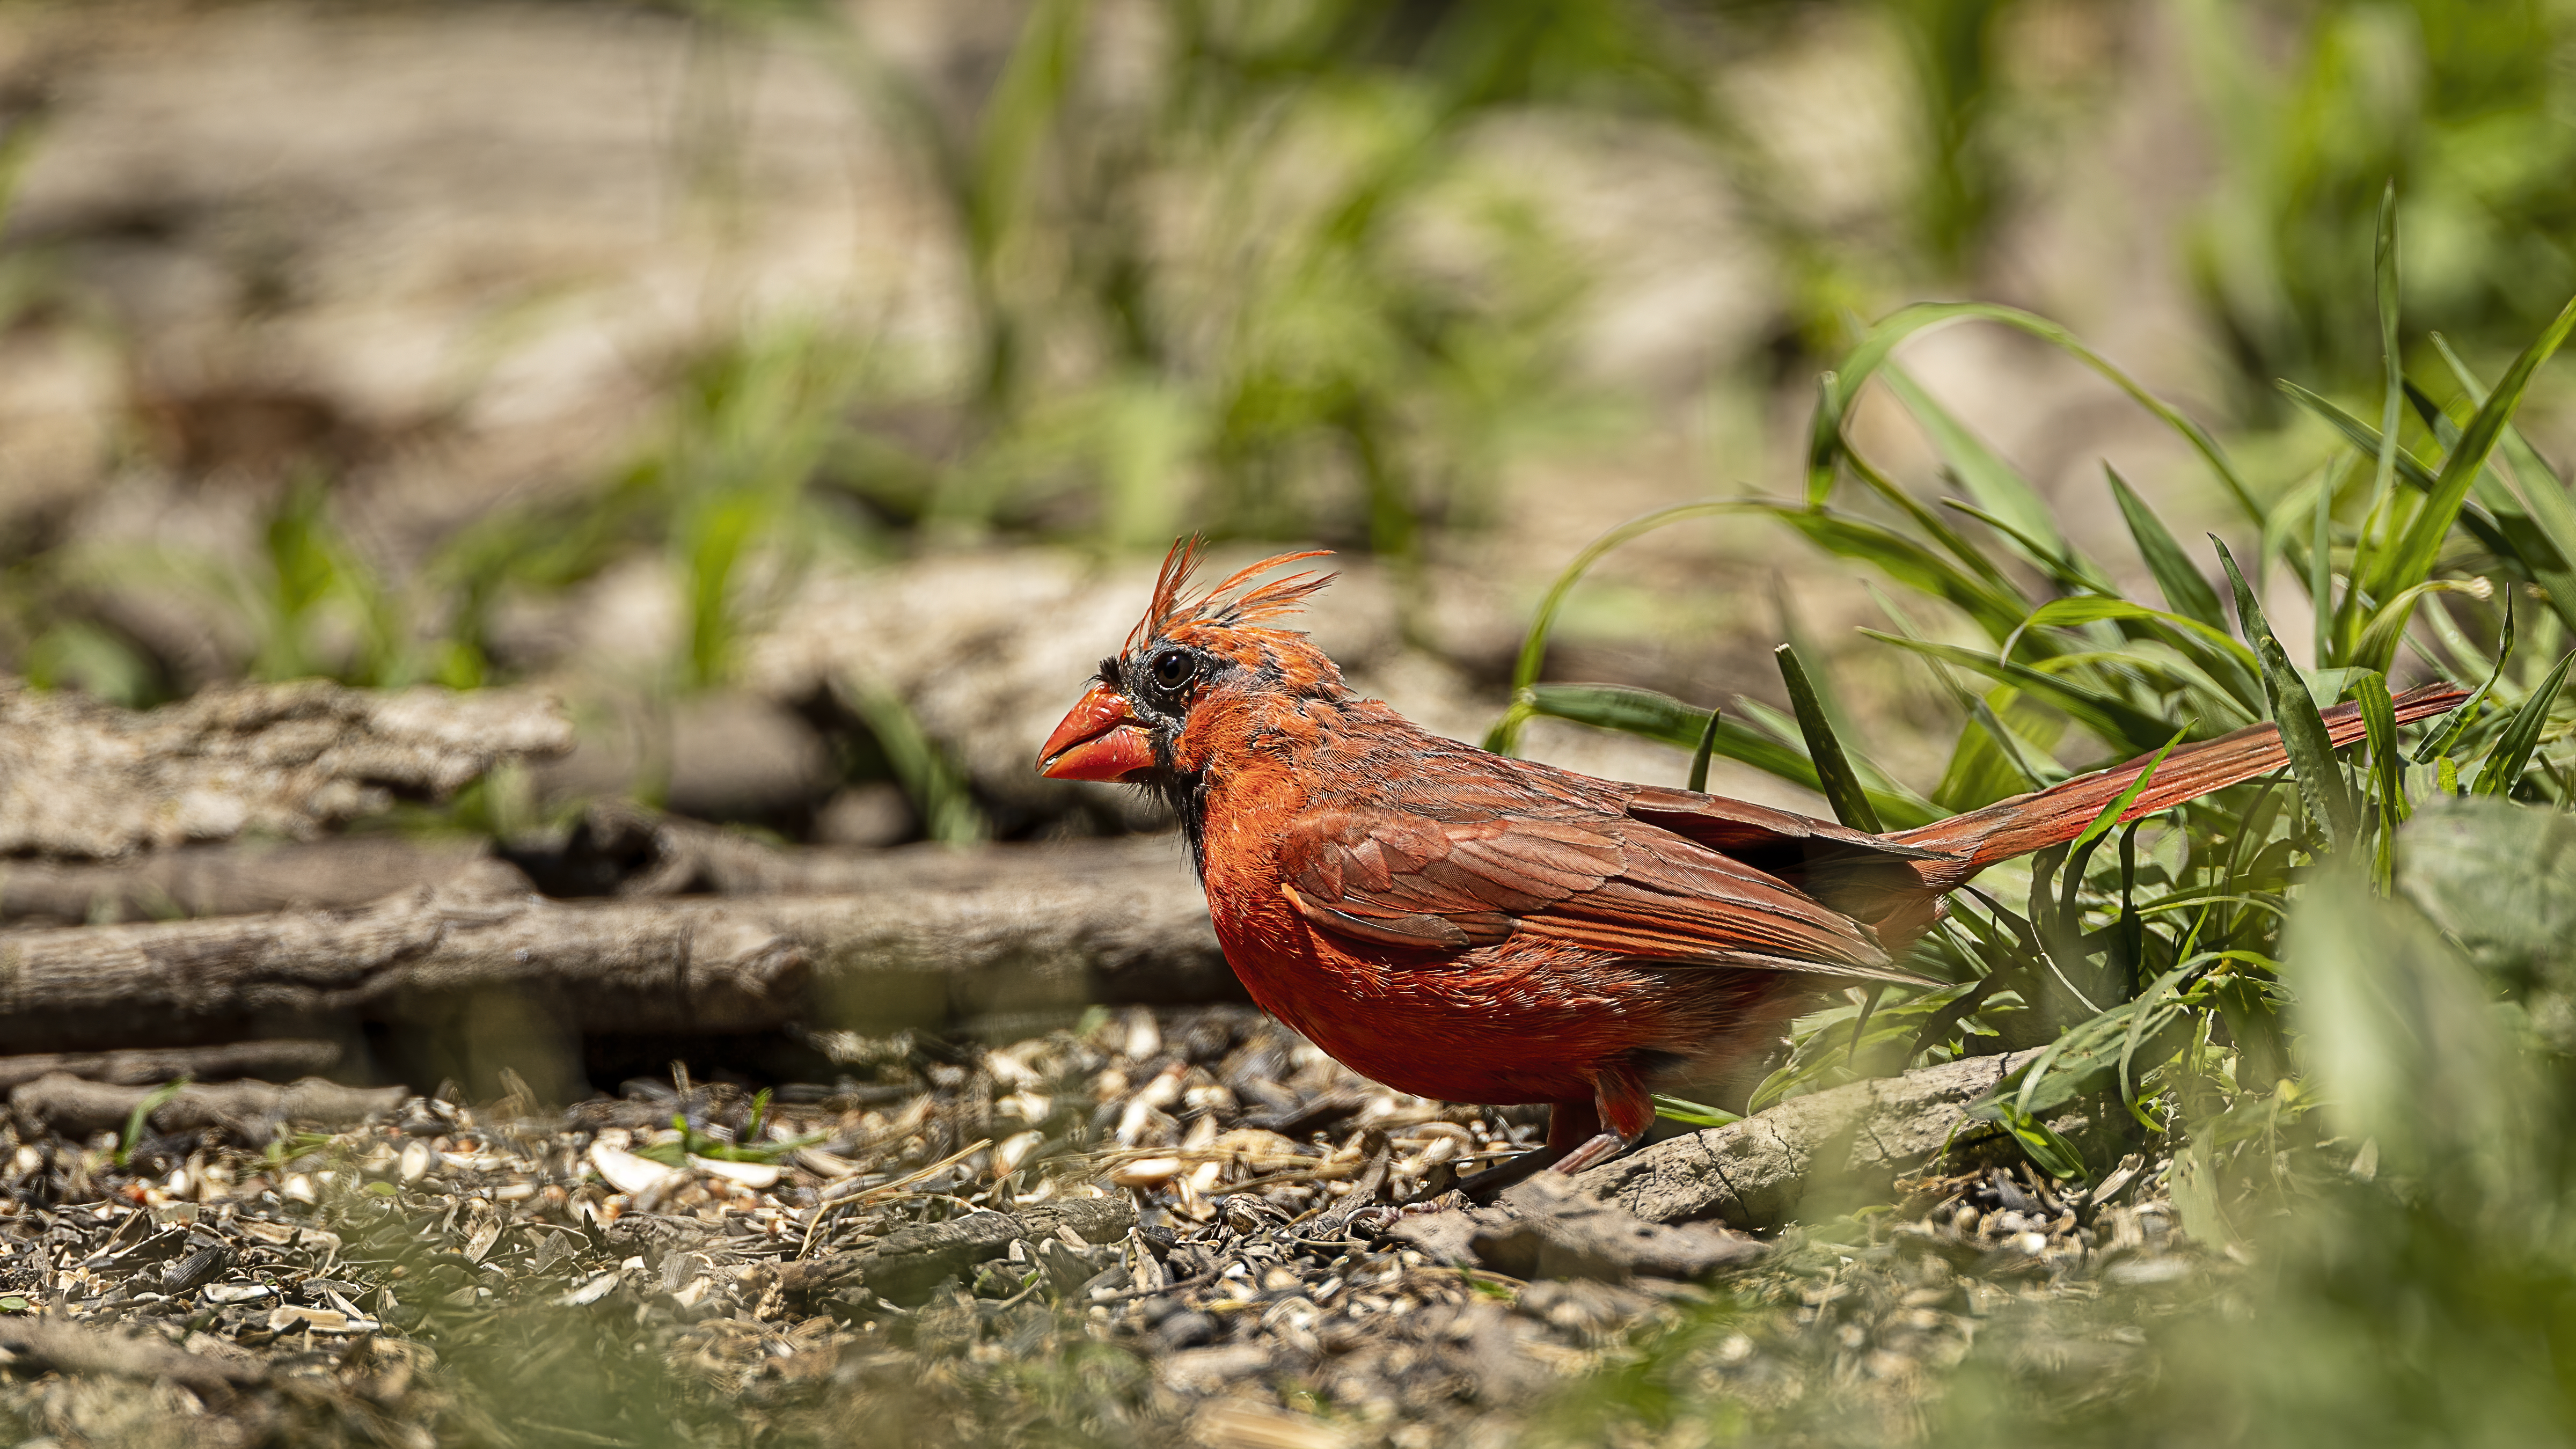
(2538, 521)
(2008, 745)
(2443, 736)
(1693, 1114)
(2361, 435)
(2067, 572)
(2499, 534)
(2387, 770)
(1873, 351)
(2229, 664)
(2512, 753)
(2303, 730)
(1987, 763)
(1998, 489)
(1824, 440)
(2119, 723)
(938, 789)
(1984, 569)
(2384, 276)
(2379, 636)
(2185, 591)
(2526, 459)
(2079, 851)
(1794, 633)
(2387, 766)
(2411, 561)
(1842, 787)
(2109, 815)
(1905, 561)
(136, 1119)
(1700, 753)
(1784, 728)
(2141, 1025)
(2321, 573)
(2043, 1144)
(1660, 717)
(2490, 489)
(1504, 738)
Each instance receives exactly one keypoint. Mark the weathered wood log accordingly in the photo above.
(624, 850)
(1851, 1139)
(244, 1111)
(229, 880)
(88, 780)
(618, 849)
(1016, 928)
(1549, 1227)
(276, 1060)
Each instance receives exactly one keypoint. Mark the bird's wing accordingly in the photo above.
(1868, 877)
(1602, 883)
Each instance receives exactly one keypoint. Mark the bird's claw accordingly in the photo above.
(1599, 1150)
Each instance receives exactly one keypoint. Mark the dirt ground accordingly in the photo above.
(1145, 1225)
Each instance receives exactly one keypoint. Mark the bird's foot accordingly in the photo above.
(1386, 1215)
(1491, 1183)
(1599, 1150)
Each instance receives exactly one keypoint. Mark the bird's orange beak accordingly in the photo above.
(1098, 740)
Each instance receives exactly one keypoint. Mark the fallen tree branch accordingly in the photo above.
(1549, 1227)
(1022, 928)
(229, 880)
(274, 1059)
(88, 780)
(622, 849)
(1755, 1173)
(618, 849)
(245, 1111)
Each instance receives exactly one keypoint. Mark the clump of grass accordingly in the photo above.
(2332, 998)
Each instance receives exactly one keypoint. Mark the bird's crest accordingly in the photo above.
(1230, 604)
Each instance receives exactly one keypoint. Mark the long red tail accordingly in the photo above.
(2059, 813)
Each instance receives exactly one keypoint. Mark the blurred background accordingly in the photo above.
(806, 391)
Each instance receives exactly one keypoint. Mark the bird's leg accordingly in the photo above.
(1622, 1110)
(1569, 1125)
(1579, 1134)
(1600, 1149)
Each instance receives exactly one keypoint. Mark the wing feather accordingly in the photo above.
(1599, 882)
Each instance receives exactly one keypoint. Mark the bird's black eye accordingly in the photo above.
(1173, 668)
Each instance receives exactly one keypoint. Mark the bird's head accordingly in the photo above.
(1192, 661)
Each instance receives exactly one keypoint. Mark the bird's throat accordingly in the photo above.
(1186, 796)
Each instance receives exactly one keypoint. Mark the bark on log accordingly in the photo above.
(1028, 928)
(88, 780)
(273, 1059)
(624, 850)
(229, 880)
(1549, 1227)
(618, 849)
(1755, 1173)
(245, 1111)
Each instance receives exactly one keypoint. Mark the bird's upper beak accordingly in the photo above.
(1098, 740)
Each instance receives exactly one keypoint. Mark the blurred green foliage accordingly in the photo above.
(1212, 296)
(1281, 271)
(2469, 105)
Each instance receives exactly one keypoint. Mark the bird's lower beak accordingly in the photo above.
(1099, 740)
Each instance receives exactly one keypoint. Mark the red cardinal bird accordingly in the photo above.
(1475, 928)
